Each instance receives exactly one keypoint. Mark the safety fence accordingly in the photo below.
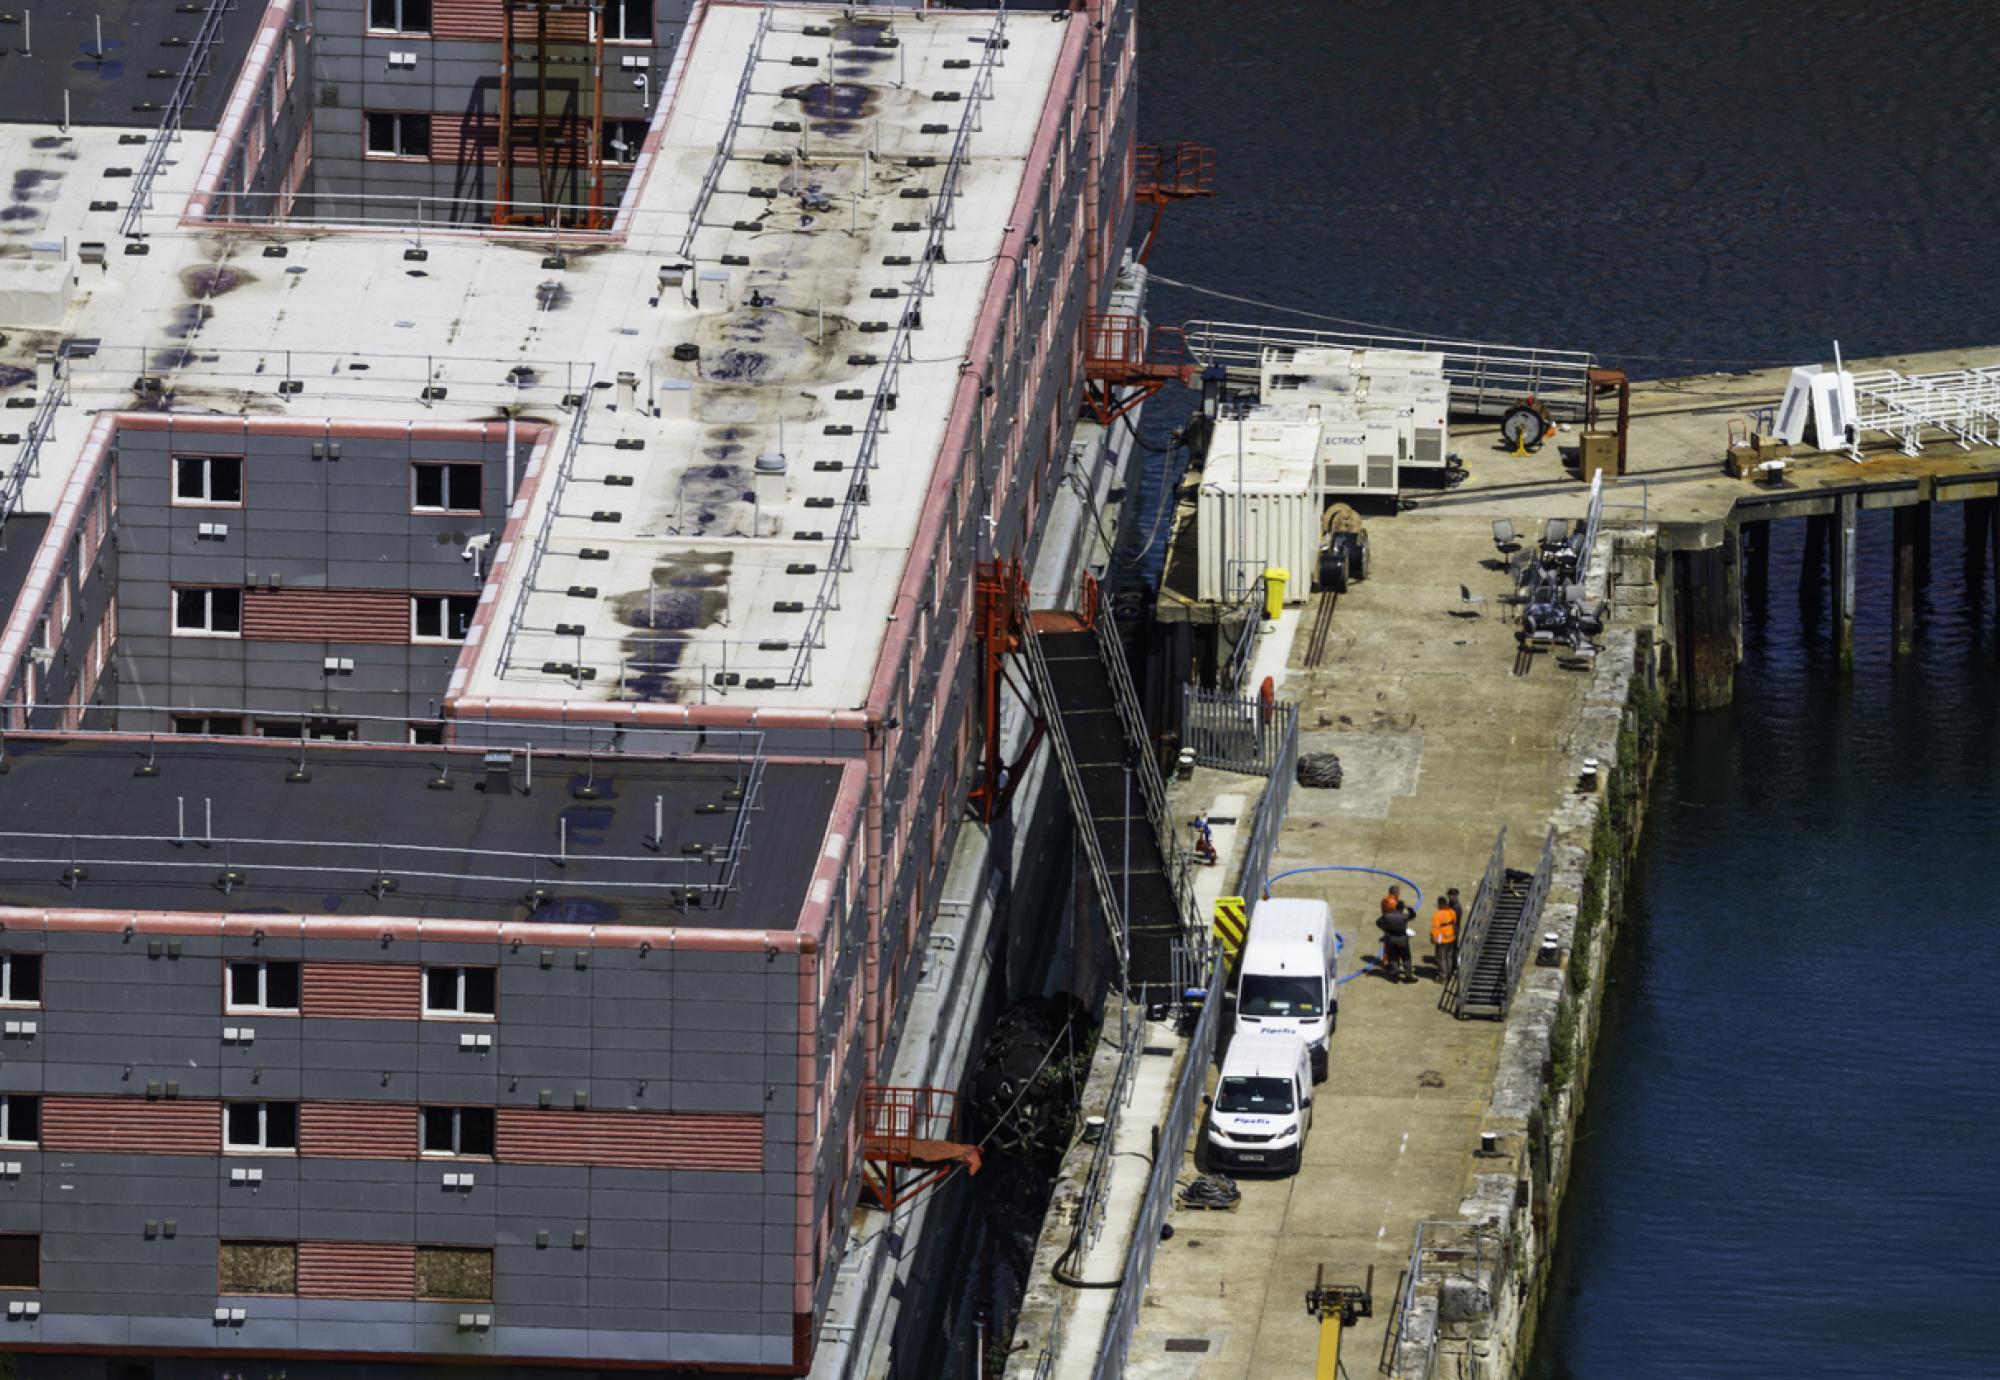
(1269, 817)
(1235, 733)
(1475, 1254)
(1160, 1183)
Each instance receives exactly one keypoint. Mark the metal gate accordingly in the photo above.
(1234, 733)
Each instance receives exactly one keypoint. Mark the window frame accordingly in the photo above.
(460, 1013)
(35, 1237)
(619, 7)
(207, 462)
(261, 1006)
(7, 997)
(263, 1145)
(401, 23)
(456, 1152)
(444, 506)
(445, 639)
(399, 129)
(175, 629)
(7, 1118)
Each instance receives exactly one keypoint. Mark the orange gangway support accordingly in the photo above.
(1124, 364)
(561, 139)
(1164, 173)
(908, 1143)
(1000, 621)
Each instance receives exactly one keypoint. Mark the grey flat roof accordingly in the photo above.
(106, 91)
(317, 847)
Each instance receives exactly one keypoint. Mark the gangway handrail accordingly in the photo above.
(1531, 910)
(1086, 832)
(1152, 786)
(1485, 377)
(1472, 935)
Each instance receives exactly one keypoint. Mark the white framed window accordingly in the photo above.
(458, 1131)
(21, 979)
(397, 134)
(260, 1126)
(442, 488)
(207, 611)
(426, 733)
(20, 1119)
(628, 21)
(256, 985)
(400, 16)
(441, 617)
(214, 481)
(460, 991)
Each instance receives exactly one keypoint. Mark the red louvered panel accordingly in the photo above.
(358, 1130)
(631, 1140)
(458, 139)
(382, 991)
(326, 615)
(131, 1125)
(357, 1270)
(481, 19)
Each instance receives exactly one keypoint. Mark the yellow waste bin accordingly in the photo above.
(1274, 591)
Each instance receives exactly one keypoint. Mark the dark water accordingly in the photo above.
(1785, 1168)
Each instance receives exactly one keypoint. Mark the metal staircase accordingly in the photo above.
(1496, 935)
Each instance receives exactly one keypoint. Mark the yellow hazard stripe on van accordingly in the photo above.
(1232, 923)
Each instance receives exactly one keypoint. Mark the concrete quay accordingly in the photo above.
(1443, 745)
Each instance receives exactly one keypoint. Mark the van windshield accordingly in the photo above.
(1265, 994)
(1254, 1095)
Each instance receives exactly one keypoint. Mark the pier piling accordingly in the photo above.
(1979, 513)
(1756, 563)
(1903, 583)
(1846, 522)
(1708, 608)
(1812, 564)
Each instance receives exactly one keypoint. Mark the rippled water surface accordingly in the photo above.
(1785, 1165)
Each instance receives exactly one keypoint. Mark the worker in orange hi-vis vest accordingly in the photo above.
(1444, 937)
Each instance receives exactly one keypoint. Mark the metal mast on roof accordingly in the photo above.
(565, 34)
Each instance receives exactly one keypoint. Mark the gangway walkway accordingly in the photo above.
(1486, 379)
(1497, 933)
(1116, 792)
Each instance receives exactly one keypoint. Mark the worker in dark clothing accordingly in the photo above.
(1444, 938)
(1395, 926)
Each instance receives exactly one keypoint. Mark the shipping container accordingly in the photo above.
(1276, 523)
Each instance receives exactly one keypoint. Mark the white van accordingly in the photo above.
(1288, 976)
(1262, 1106)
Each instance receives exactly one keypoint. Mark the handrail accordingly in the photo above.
(1484, 377)
(1531, 909)
(1086, 832)
(1472, 936)
(1152, 786)
(564, 465)
(725, 147)
(825, 599)
(28, 458)
(170, 118)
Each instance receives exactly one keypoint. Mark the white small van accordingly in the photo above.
(1288, 976)
(1262, 1106)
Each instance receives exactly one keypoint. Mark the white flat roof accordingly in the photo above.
(366, 330)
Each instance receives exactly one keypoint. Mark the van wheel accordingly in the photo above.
(1319, 1065)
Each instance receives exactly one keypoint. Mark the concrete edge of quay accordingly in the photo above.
(1471, 1297)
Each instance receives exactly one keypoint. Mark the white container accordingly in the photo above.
(1277, 522)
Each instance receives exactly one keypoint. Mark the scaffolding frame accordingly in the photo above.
(1964, 404)
(586, 153)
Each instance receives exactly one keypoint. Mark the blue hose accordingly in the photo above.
(1338, 942)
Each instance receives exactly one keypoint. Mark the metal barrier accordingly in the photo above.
(553, 509)
(1474, 1251)
(28, 461)
(1472, 933)
(1531, 912)
(1234, 733)
(1160, 1183)
(170, 119)
(725, 147)
(1486, 379)
(1152, 786)
(1270, 816)
(1231, 677)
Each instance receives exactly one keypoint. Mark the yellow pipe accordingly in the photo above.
(1329, 1346)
